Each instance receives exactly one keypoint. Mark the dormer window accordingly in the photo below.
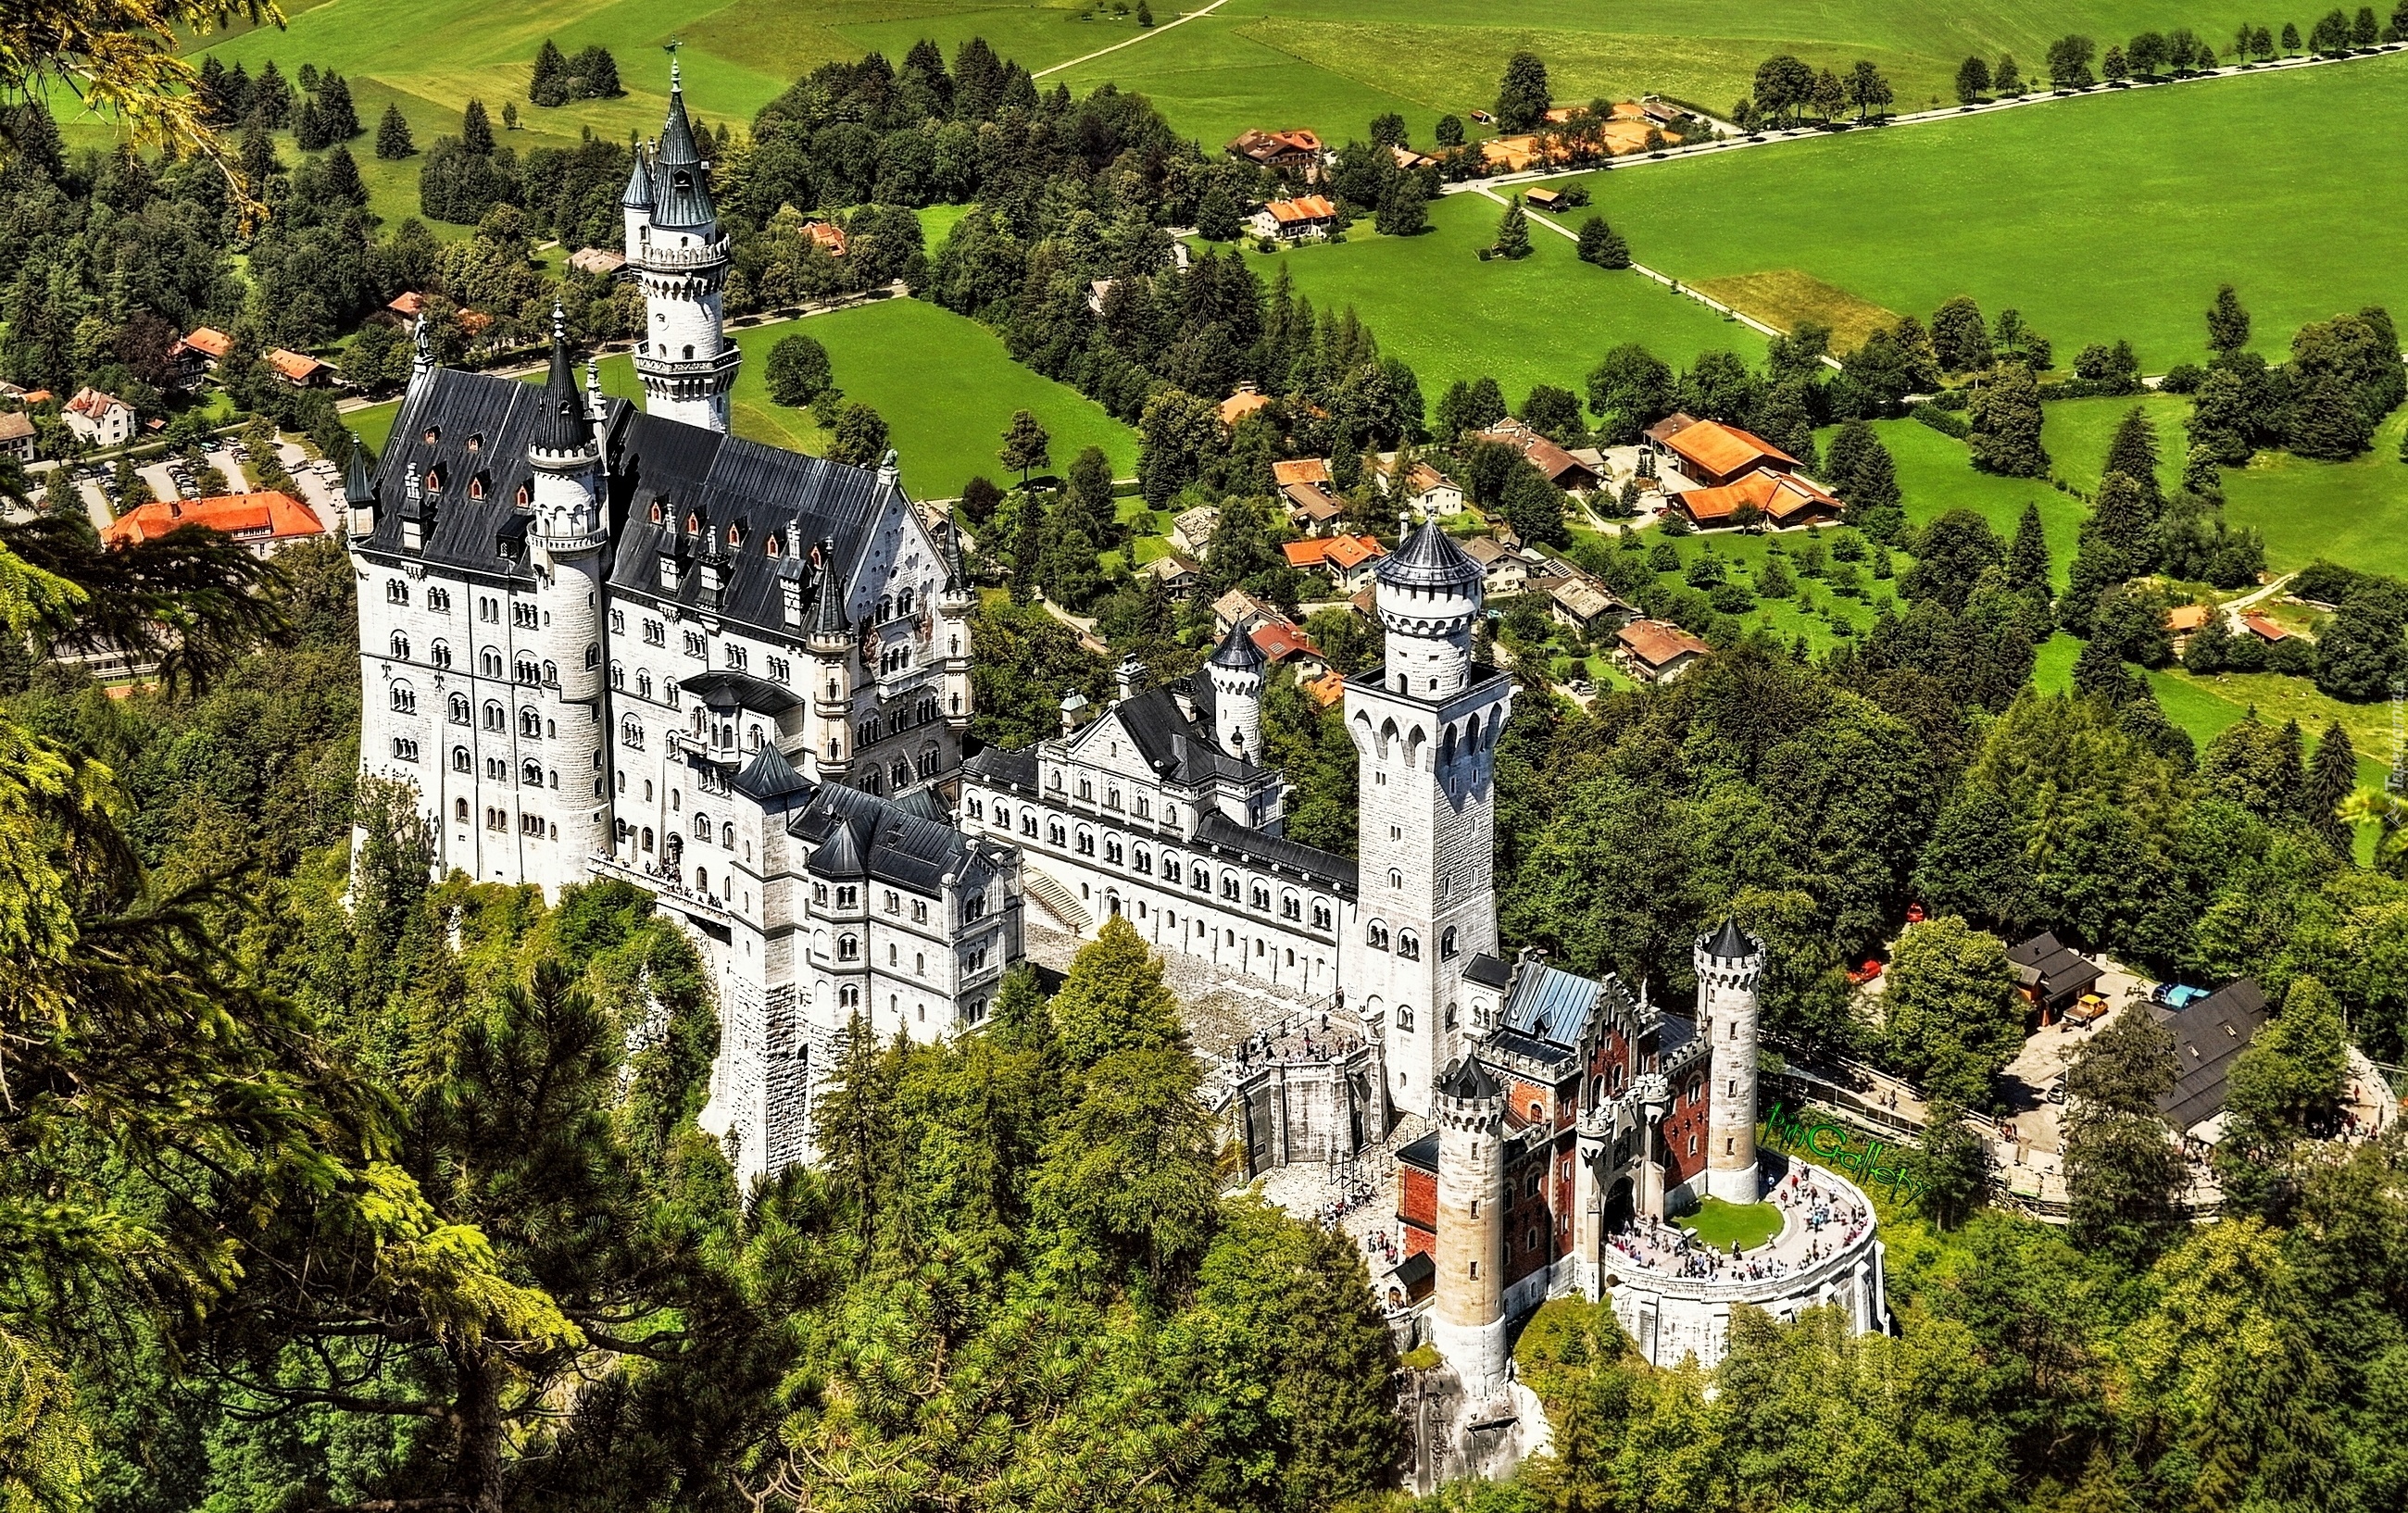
(525, 495)
(477, 487)
(656, 512)
(736, 534)
(435, 478)
(693, 523)
(477, 442)
(772, 546)
(433, 434)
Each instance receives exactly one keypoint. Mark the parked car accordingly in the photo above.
(2089, 1010)
(2057, 1089)
(1859, 976)
(2175, 995)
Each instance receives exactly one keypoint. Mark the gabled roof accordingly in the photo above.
(277, 516)
(1302, 208)
(1468, 1080)
(209, 341)
(295, 367)
(1247, 400)
(93, 403)
(1549, 1003)
(1300, 470)
(893, 840)
(1346, 551)
(1657, 642)
(1278, 643)
(1780, 497)
(2209, 1035)
(1723, 449)
(769, 776)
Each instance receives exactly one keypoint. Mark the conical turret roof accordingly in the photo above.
(844, 854)
(562, 425)
(770, 775)
(1730, 943)
(1468, 1080)
(827, 618)
(1429, 559)
(1238, 653)
(683, 196)
(638, 195)
(358, 488)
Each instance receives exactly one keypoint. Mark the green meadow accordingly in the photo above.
(1545, 319)
(2114, 215)
(944, 385)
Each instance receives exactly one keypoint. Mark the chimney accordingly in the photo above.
(672, 573)
(790, 590)
(889, 471)
(1130, 671)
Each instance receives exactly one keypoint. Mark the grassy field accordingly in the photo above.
(1935, 475)
(1718, 1223)
(1545, 319)
(884, 355)
(1786, 298)
(2110, 216)
(2354, 512)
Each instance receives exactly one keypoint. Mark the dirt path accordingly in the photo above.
(1132, 41)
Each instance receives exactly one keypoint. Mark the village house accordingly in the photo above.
(1709, 453)
(1408, 160)
(1304, 218)
(265, 521)
(403, 308)
(1179, 574)
(1656, 651)
(1347, 561)
(1309, 509)
(1582, 604)
(1242, 402)
(826, 236)
(1284, 645)
(2050, 976)
(1237, 611)
(1562, 469)
(1505, 569)
(1543, 199)
(199, 352)
(1424, 490)
(299, 369)
(2184, 621)
(17, 435)
(1326, 689)
(1779, 500)
(601, 261)
(1287, 151)
(1191, 529)
(2262, 627)
(101, 419)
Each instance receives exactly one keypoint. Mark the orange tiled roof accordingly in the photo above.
(1279, 641)
(269, 513)
(1263, 146)
(1657, 642)
(91, 402)
(2264, 629)
(1300, 470)
(1347, 551)
(827, 235)
(209, 341)
(1781, 497)
(1242, 404)
(1725, 449)
(406, 303)
(1303, 207)
(297, 366)
(2185, 618)
(1326, 689)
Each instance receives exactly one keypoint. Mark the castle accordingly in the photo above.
(605, 641)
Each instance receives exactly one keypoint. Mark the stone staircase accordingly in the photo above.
(1056, 900)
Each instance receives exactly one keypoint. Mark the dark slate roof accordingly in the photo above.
(1429, 559)
(689, 470)
(1467, 1078)
(1422, 1153)
(1673, 1031)
(1416, 1269)
(638, 195)
(1550, 1004)
(1006, 769)
(1488, 971)
(1180, 748)
(563, 424)
(841, 854)
(2051, 969)
(1238, 653)
(769, 776)
(893, 844)
(2208, 1037)
(1730, 943)
(1511, 1042)
(358, 488)
(739, 691)
(1228, 837)
(680, 191)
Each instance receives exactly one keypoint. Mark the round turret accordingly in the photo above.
(1428, 598)
(1729, 964)
(1236, 673)
(1467, 1314)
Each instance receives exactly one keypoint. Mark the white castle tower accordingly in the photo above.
(1468, 1310)
(572, 527)
(680, 256)
(1728, 966)
(1236, 673)
(1424, 727)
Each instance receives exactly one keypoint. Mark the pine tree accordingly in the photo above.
(477, 129)
(2027, 554)
(271, 98)
(549, 85)
(1144, 14)
(1217, 220)
(339, 179)
(1404, 206)
(1522, 96)
(2228, 323)
(2332, 776)
(1602, 245)
(1514, 231)
(392, 141)
(2133, 452)
(596, 74)
(2006, 420)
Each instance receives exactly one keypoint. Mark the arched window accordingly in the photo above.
(530, 725)
(1291, 908)
(848, 948)
(440, 600)
(1086, 841)
(400, 647)
(460, 760)
(489, 664)
(395, 590)
(727, 835)
(927, 763)
(551, 674)
(1446, 947)
(592, 655)
(1112, 852)
(405, 698)
(1405, 1017)
(1395, 878)
(1320, 915)
(1144, 861)
(1229, 886)
(495, 717)
(460, 810)
(701, 826)
(439, 654)
(529, 670)
(457, 706)
(531, 774)
(903, 603)
(1409, 946)
(1202, 880)
(1260, 897)
(631, 733)
(1377, 937)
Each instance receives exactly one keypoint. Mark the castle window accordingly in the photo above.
(495, 717)
(848, 949)
(902, 774)
(1452, 1017)
(551, 675)
(1086, 842)
(432, 435)
(919, 911)
(655, 512)
(395, 590)
(1144, 861)
(440, 600)
(1376, 936)
(593, 655)
(524, 496)
(459, 762)
(1260, 897)
(644, 682)
(1446, 947)
(1405, 1017)
(779, 670)
(1203, 880)
(727, 835)
(404, 749)
(849, 996)
(530, 725)
(405, 698)
(1144, 807)
(477, 486)
(926, 762)
(847, 897)
(773, 547)
(1291, 908)
(1054, 833)
(529, 670)
(489, 609)
(819, 892)
(1229, 886)
(1028, 822)
(457, 708)
(894, 902)
(1395, 878)
(439, 654)
(1112, 798)
(654, 634)
(435, 479)
(903, 603)
(531, 774)
(1086, 790)
(736, 657)
(1320, 915)
(1112, 853)
(460, 811)
(619, 675)
(1170, 869)
(1409, 946)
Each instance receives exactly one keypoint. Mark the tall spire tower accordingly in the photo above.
(571, 529)
(680, 256)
